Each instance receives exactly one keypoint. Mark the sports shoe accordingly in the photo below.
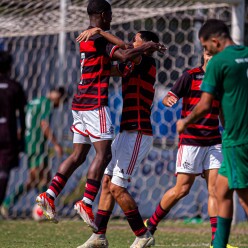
(149, 226)
(227, 246)
(95, 241)
(86, 214)
(145, 240)
(4, 212)
(47, 205)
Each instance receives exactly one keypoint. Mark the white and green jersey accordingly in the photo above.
(227, 76)
(37, 110)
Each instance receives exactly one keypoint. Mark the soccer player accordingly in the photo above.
(131, 145)
(226, 77)
(92, 122)
(199, 149)
(38, 132)
(12, 104)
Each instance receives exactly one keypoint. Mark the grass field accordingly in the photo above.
(30, 234)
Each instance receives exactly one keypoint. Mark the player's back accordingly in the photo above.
(138, 92)
(233, 61)
(95, 60)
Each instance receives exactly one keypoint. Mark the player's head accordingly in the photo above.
(5, 62)
(100, 13)
(56, 95)
(213, 35)
(144, 36)
(206, 56)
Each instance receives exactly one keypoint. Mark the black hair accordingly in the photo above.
(148, 36)
(214, 27)
(98, 7)
(5, 62)
(59, 89)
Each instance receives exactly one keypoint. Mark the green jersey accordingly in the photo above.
(227, 77)
(37, 110)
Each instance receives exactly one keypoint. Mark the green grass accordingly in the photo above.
(30, 234)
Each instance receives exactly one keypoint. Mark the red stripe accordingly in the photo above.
(93, 75)
(90, 96)
(196, 126)
(196, 84)
(179, 155)
(88, 46)
(84, 134)
(195, 100)
(207, 116)
(135, 154)
(92, 135)
(185, 136)
(135, 108)
(103, 85)
(152, 71)
(140, 231)
(100, 116)
(92, 197)
(54, 190)
(104, 120)
(91, 188)
(113, 51)
(170, 93)
(135, 120)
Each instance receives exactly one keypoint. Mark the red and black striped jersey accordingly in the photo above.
(138, 92)
(205, 132)
(95, 61)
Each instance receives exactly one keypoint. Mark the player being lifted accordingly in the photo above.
(199, 149)
(131, 145)
(92, 123)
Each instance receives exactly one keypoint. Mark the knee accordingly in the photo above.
(106, 182)
(77, 158)
(116, 190)
(212, 191)
(180, 192)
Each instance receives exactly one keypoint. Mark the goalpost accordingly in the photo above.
(41, 36)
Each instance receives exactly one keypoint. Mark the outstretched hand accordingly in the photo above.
(85, 35)
(157, 47)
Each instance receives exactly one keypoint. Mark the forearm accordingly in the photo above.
(113, 39)
(48, 133)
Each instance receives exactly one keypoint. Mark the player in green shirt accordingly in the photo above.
(38, 131)
(227, 78)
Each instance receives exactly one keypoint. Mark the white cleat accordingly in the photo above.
(146, 240)
(95, 241)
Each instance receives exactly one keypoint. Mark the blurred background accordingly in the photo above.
(40, 35)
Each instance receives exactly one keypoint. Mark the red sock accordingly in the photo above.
(135, 221)
(101, 220)
(158, 215)
(91, 190)
(58, 183)
(213, 222)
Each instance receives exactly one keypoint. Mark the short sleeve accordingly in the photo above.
(182, 86)
(212, 78)
(125, 69)
(110, 49)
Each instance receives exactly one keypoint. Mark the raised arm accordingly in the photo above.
(84, 36)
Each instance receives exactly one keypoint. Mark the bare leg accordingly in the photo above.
(181, 189)
(77, 157)
(101, 160)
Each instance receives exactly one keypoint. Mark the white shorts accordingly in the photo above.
(196, 159)
(128, 151)
(92, 125)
